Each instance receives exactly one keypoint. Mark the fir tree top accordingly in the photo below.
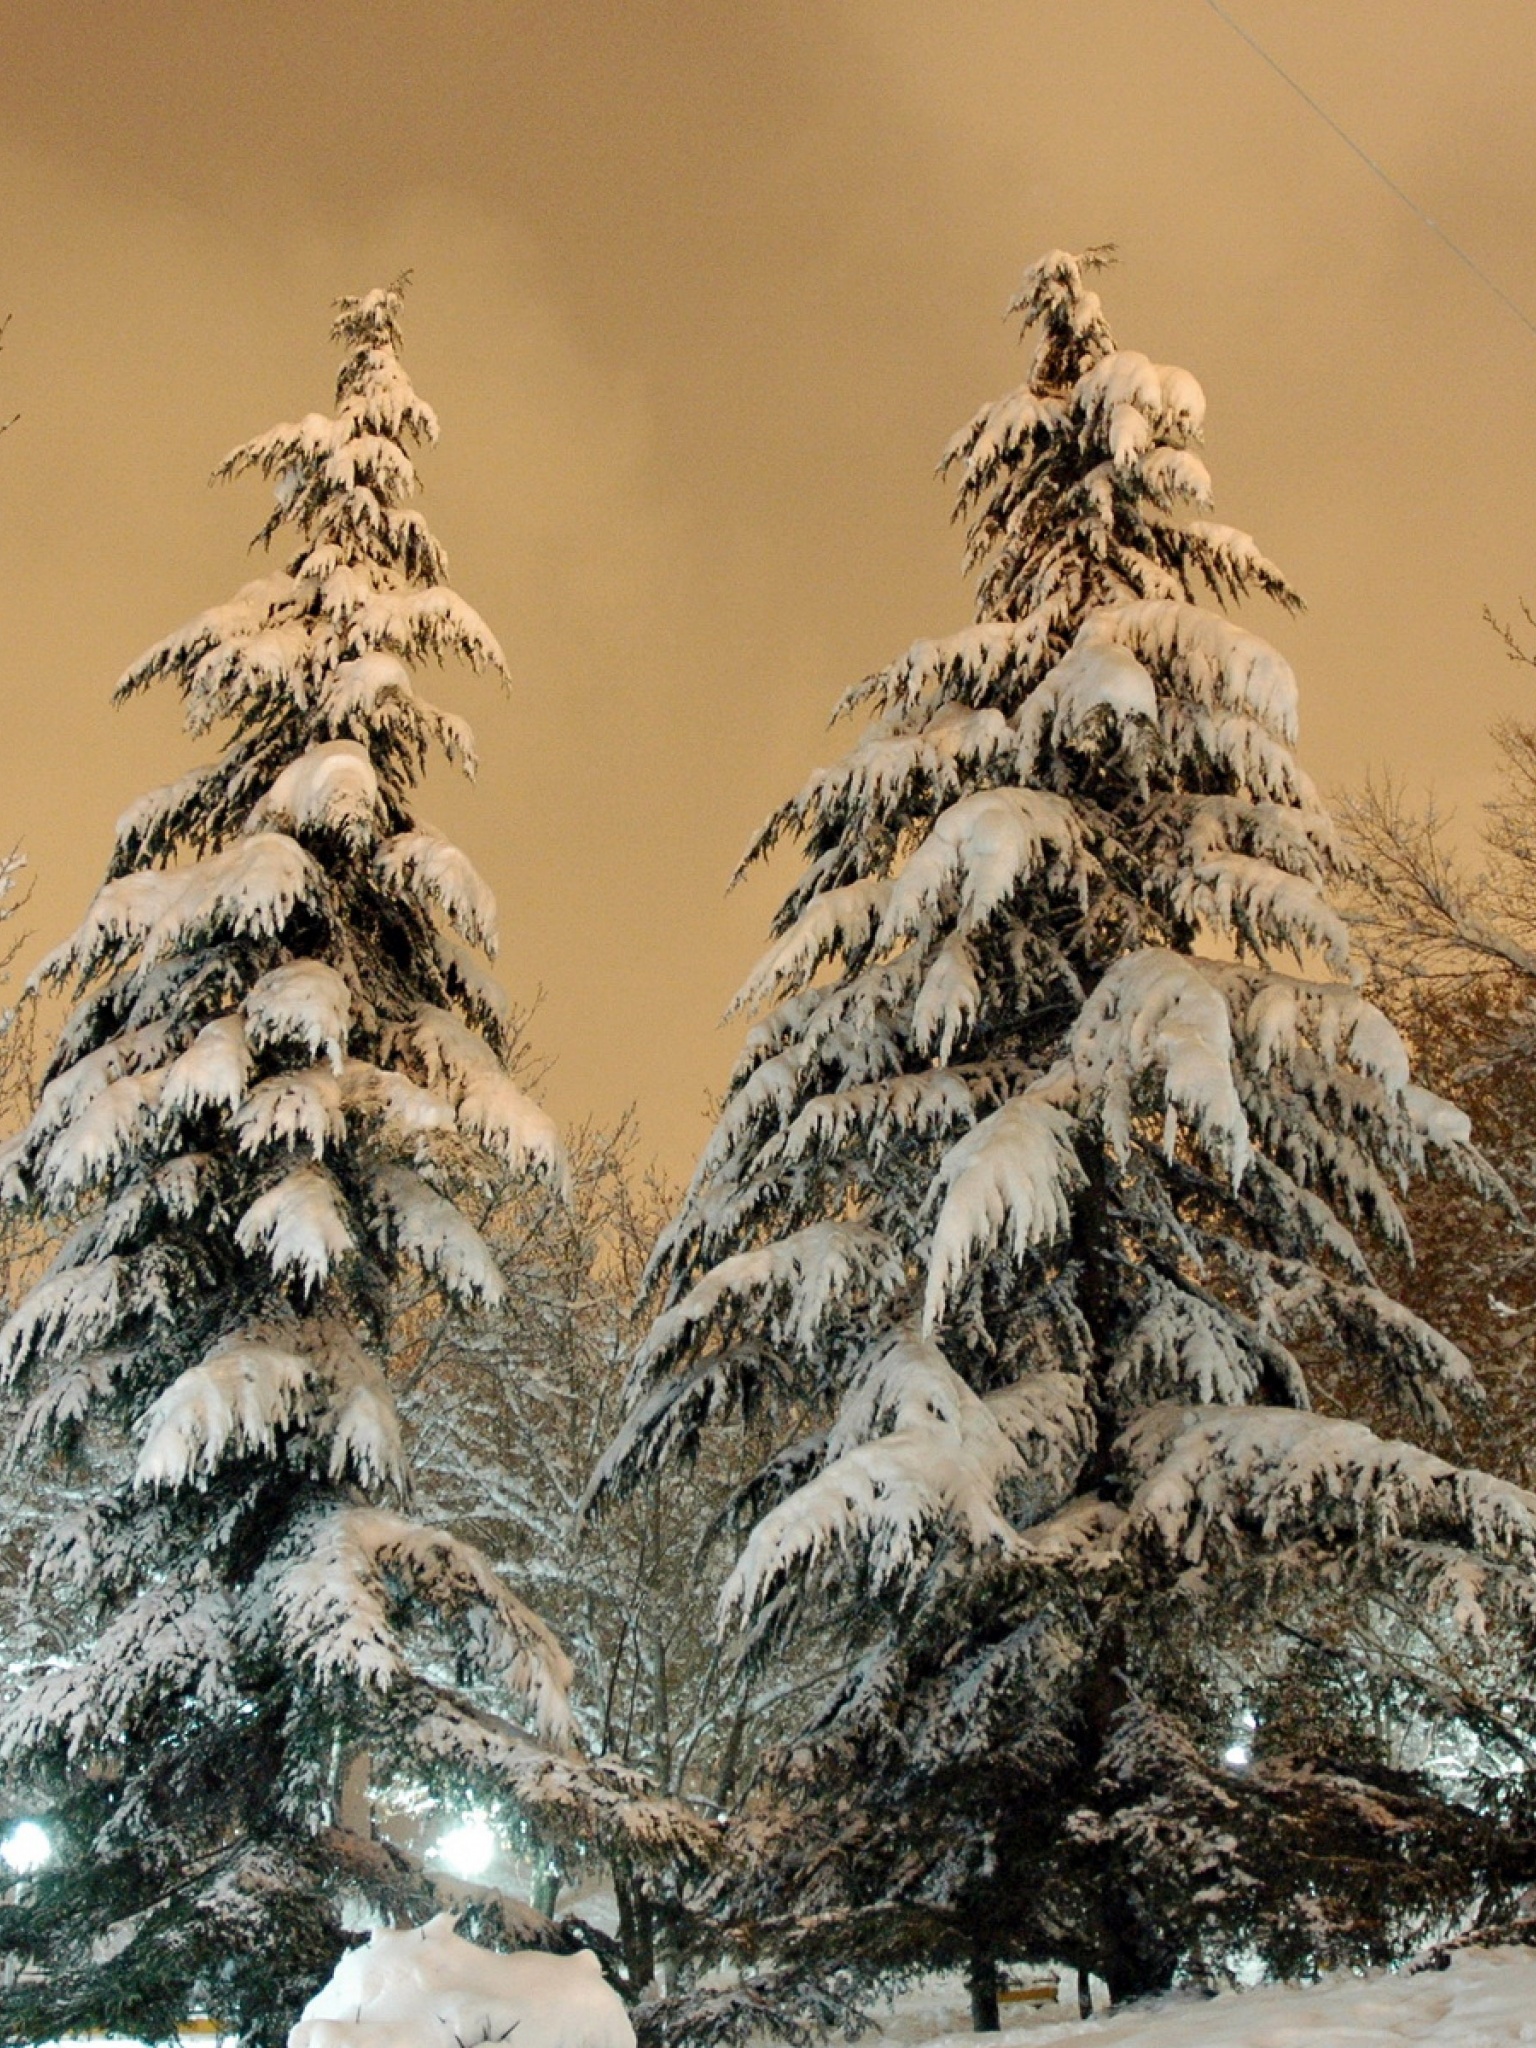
(1063, 1120)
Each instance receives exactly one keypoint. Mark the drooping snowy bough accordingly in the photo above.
(1060, 1139)
(282, 1053)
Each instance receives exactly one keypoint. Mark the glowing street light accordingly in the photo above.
(25, 1849)
(1238, 1753)
(470, 1848)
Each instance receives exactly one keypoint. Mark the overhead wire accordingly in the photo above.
(1374, 167)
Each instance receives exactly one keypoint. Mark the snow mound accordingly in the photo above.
(426, 1987)
(1486, 1999)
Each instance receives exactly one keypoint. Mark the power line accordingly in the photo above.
(1371, 165)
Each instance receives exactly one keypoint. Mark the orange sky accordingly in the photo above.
(701, 291)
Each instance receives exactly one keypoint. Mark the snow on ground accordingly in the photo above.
(426, 1987)
(1486, 1999)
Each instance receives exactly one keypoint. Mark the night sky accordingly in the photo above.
(700, 292)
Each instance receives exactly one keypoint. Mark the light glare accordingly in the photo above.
(469, 1848)
(25, 1849)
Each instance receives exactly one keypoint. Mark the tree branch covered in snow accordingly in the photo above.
(1450, 933)
(505, 1417)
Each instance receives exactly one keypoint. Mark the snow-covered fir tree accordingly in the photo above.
(282, 1048)
(1062, 1137)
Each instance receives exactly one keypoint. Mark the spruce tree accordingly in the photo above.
(281, 1049)
(1062, 1139)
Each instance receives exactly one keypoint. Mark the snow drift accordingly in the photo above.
(426, 1987)
(1487, 1999)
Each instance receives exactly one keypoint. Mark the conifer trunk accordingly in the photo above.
(982, 1980)
(637, 1933)
(1139, 1961)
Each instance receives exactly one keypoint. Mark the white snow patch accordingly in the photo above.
(1158, 1012)
(1234, 892)
(1094, 675)
(337, 1606)
(943, 1456)
(121, 912)
(299, 1224)
(378, 1091)
(1209, 1475)
(978, 853)
(1486, 1999)
(949, 998)
(289, 1108)
(427, 1987)
(101, 1136)
(836, 921)
(251, 887)
(414, 1218)
(434, 871)
(242, 1394)
(213, 1070)
(304, 1000)
(1441, 1122)
(1012, 1176)
(332, 786)
(359, 685)
(73, 1091)
(68, 1311)
(489, 1104)
(1221, 665)
(1131, 399)
(795, 1282)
